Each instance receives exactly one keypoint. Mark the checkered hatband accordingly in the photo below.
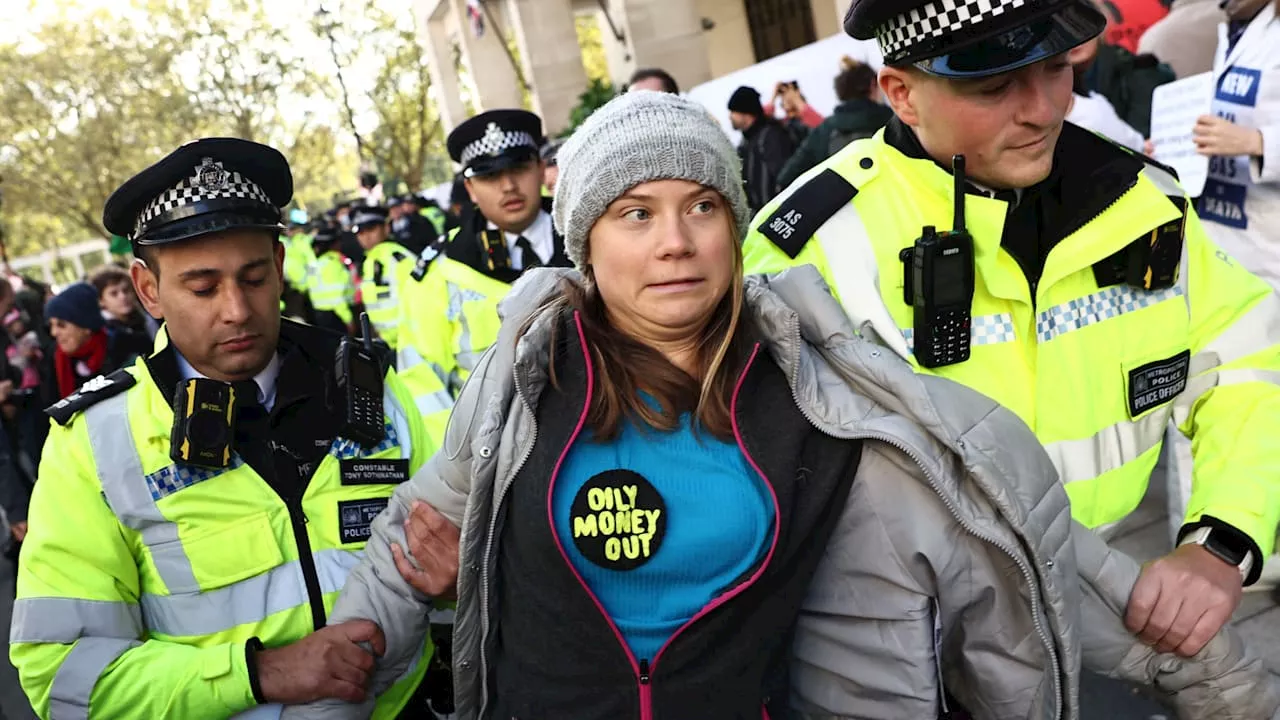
(497, 141)
(208, 181)
(937, 19)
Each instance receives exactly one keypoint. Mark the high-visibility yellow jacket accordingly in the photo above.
(142, 579)
(1096, 371)
(330, 285)
(436, 216)
(448, 319)
(379, 289)
(298, 256)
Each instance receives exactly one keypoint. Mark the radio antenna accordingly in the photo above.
(957, 170)
(367, 332)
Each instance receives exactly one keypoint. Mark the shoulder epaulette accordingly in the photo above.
(424, 262)
(92, 392)
(804, 211)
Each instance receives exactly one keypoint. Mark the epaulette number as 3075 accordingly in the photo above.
(809, 207)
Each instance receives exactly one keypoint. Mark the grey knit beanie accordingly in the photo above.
(637, 138)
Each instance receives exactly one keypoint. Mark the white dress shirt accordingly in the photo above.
(265, 380)
(540, 235)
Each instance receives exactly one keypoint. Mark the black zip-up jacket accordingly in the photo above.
(556, 653)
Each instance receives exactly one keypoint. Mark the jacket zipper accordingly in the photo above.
(643, 668)
(298, 520)
(309, 575)
(955, 513)
(646, 712)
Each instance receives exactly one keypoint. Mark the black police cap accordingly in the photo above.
(495, 141)
(364, 217)
(973, 38)
(203, 187)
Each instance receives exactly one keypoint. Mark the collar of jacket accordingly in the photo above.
(1089, 173)
(847, 387)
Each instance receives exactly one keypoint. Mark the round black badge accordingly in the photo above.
(618, 520)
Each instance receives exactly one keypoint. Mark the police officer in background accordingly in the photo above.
(413, 230)
(503, 173)
(448, 316)
(331, 286)
(1088, 300)
(197, 513)
(378, 274)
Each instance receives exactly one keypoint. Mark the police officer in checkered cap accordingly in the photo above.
(209, 481)
(1084, 256)
(510, 228)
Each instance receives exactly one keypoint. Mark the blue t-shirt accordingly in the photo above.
(661, 547)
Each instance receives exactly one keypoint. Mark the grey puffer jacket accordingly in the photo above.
(955, 521)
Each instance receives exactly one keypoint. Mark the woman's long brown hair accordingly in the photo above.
(625, 367)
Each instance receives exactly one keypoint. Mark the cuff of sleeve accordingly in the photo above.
(1266, 168)
(1237, 536)
(227, 673)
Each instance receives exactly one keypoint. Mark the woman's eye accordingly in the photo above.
(705, 207)
(637, 214)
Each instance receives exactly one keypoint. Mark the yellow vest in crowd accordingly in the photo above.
(448, 319)
(142, 580)
(331, 287)
(1064, 359)
(379, 287)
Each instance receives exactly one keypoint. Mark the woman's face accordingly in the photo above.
(69, 336)
(118, 300)
(663, 256)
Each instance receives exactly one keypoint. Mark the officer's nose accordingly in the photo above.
(1036, 90)
(235, 306)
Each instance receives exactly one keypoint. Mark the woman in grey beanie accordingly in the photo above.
(678, 497)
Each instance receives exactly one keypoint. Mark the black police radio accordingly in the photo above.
(359, 377)
(938, 283)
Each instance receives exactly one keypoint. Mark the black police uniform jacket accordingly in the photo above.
(469, 246)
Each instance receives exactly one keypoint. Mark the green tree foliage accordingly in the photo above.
(596, 95)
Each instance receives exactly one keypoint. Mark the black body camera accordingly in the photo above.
(359, 378)
(204, 413)
(938, 283)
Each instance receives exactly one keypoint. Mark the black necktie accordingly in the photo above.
(528, 258)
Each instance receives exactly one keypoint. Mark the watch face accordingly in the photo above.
(1219, 544)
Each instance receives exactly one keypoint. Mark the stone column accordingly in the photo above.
(493, 78)
(547, 38)
(434, 33)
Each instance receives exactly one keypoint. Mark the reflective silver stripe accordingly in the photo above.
(1108, 450)
(79, 672)
(1257, 329)
(126, 492)
(251, 600)
(985, 330)
(432, 403)
(65, 620)
(1164, 182)
(1201, 384)
(1101, 306)
(407, 357)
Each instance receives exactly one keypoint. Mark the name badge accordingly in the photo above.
(356, 516)
(1158, 382)
(374, 472)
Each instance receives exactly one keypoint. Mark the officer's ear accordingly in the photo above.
(145, 273)
(279, 257)
(468, 183)
(897, 85)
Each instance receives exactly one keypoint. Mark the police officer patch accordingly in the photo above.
(1157, 383)
(618, 520)
(356, 516)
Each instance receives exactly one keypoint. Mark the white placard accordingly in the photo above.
(1175, 107)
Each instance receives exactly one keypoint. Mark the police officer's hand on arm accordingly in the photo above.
(433, 543)
(1183, 599)
(329, 663)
